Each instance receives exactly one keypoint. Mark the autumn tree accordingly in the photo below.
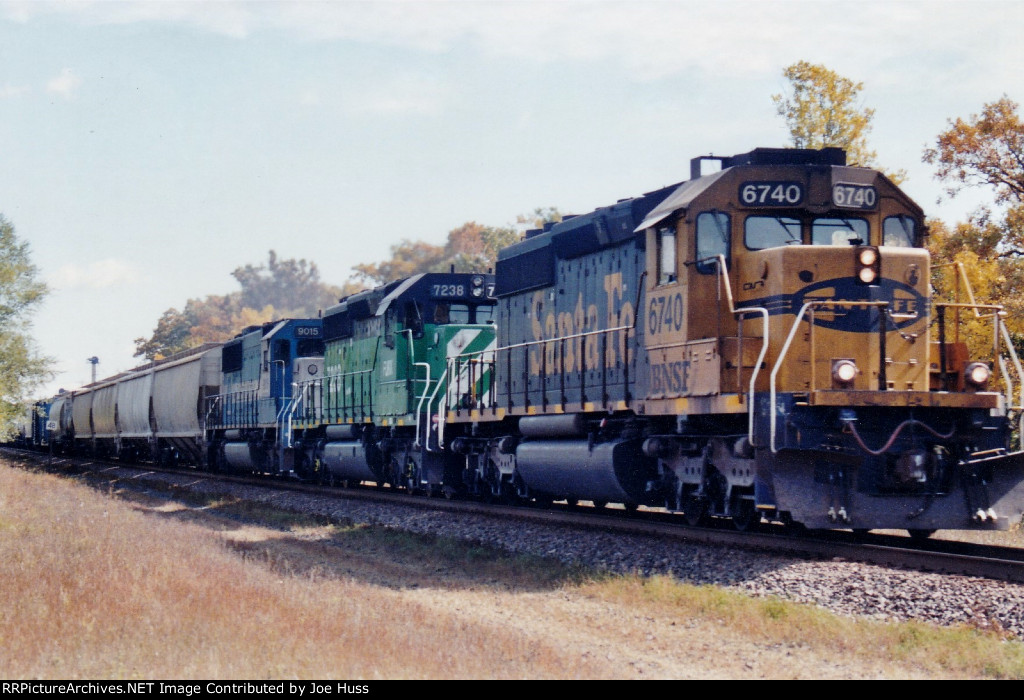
(540, 216)
(279, 289)
(823, 110)
(292, 287)
(22, 368)
(469, 248)
(985, 151)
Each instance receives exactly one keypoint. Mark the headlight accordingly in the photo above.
(477, 292)
(844, 372)
(477, 281)
(869, 265)
(868, 256)
(977, 374)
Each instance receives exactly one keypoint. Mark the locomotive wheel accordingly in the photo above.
(694, 510)
(747, 519)
(920, 534)
(327, 478)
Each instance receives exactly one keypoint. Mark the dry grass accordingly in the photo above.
(143, 586)
(958, 652)
(95, 589)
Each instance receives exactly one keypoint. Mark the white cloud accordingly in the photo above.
(95, 275)
(64, 84)
(652, 38)
(8, 91)
(404, 94)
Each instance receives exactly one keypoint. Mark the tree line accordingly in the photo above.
(821, 108)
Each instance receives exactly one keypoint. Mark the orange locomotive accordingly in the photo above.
(757, 343)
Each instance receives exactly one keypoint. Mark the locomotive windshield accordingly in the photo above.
(839, 232)
(712, 239)
(445, 313)
(760, 232)
(898, 231)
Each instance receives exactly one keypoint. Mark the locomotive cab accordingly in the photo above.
(249, 424)
(385, 374)
(792, 288)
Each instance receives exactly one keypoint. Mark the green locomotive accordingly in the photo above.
(373, 415)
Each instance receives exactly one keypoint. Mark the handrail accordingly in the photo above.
(441, 403)
(723, 275)
(999, 331)
(419, 407)
(322, 407)
(285, 423)
(785, 349)
(229, 401)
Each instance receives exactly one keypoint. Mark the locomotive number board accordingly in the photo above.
(768, 193)
(854, 196)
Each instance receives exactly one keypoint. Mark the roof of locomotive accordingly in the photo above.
(375, 302)
(683, 196)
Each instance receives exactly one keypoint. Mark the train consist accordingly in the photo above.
(758, 343)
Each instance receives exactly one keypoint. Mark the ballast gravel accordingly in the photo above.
(843, 587)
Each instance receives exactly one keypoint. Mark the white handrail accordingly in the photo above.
(419, 406)
(785, 350)
(723, 271)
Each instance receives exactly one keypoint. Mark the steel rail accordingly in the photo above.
(934, 555)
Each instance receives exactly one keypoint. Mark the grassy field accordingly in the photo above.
(104, 585)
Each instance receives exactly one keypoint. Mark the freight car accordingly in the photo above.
(151, 413)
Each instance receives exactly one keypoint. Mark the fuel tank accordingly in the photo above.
(616, 472)
(347, 460)
(239, 456)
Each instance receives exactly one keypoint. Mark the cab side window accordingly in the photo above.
(667, 271)
(712, 240)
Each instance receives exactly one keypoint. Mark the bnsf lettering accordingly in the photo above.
(670, 377)
(307, 332)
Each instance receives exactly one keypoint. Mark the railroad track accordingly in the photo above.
(933, 555)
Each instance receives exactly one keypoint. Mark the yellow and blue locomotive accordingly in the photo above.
(758, 342)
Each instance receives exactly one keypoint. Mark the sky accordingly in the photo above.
(150, 148)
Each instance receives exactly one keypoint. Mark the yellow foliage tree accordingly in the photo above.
(986, 150)
(822, 111)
